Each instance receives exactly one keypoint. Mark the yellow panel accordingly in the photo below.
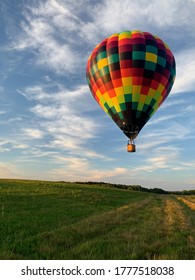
(116, 104)
(102, 99)
(118, 108)
(115, 101)
(136, 31)
(110, 104)
(125, 35)
(121, 99)
(113, 35)
(103, 62)
(98, 93)
(108, 99)
(151, 92)
(151, 57)
(136, 89)
(142, 98)
(148, 100)
(160, 88)
(140, 106)
(158, 97)
(119, 91)
(127, 81)
(135, 97)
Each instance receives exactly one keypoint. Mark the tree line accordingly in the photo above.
(139, 188)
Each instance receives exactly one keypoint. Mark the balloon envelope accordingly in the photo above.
(130, 74)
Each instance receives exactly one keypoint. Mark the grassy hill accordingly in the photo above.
(57, 220)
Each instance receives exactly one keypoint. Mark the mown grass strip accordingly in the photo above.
(189, 201)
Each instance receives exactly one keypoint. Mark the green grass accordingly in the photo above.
(47, 220)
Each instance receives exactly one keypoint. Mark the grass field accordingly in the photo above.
(47, 220)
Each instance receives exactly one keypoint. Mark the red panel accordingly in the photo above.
(112, 93)
(137, 81)
(124, 64)
(144, 90)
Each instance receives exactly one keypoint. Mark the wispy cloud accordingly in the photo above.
(113, 16)
(8, 145)
(80, 169)
(47, 33)
(62, 119)
(33, 133)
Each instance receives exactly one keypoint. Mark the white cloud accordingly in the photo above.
(166, 158)
(176, 103)
(114, 16)
(8, 145)
(46, 31)
(62, 119)
(33, 133)
(163, 119)
(153, 138)
(35, 93)
(80, 169)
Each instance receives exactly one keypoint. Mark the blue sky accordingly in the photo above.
(51, 128)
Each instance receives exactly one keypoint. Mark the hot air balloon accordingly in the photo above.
(130, 74)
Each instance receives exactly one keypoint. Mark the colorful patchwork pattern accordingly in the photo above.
(130, 74)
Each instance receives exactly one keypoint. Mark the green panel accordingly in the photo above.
(140, 106)
(103, 71)
(126, 32)
(127, 89)
(135, 97)
(94, 69)
(123, 107)
(161, 61)
(145, 107)
(106, 106)
(157, 96)
(134, 105)
(152, 49)
(151, 112)
(113, 110)
(138, 114)
(101, 55)
(152, 102)
(121, 116)
(138, 55)
(173, 71)
(150, 65)
(113, 58)
(128, 97)
(148, 100)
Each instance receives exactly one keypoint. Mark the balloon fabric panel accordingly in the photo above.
(130, 74)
